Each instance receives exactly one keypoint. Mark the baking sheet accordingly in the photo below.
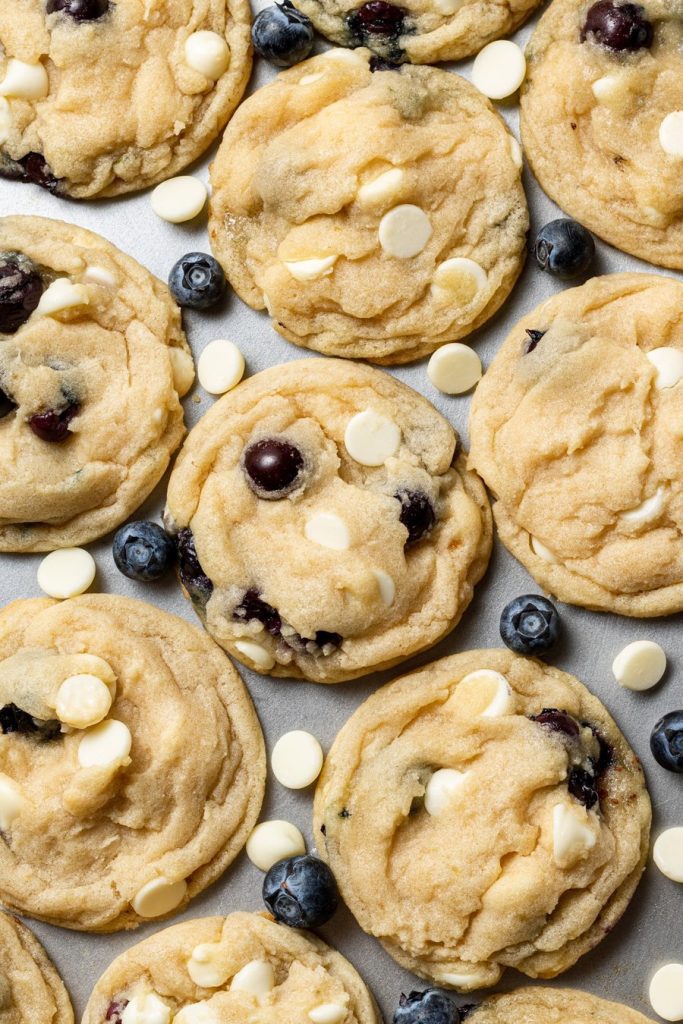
(650, 933)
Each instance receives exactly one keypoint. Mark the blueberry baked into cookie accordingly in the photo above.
(113, 809)
(575, 428)
(236, 968)
(31, 991)
(541, 1005)
(374, 213)
(93, 362)
(602, 120)
(100, 97)
(326, 523)
(483, 812)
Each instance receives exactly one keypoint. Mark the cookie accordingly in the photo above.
(575, 429)
(31, 991)
(375, 213)
(99, 97)
(602, 120)
(551, 1006)
(129, 780)
(93, 362)
(483, 812)
(325, 523)
(241, 967)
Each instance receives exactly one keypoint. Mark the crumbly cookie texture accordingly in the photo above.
(470, 836)
(128, 98)
(105, 348)
(148, 793)
(31, 991)
(576, 429)
(540, 1005)
(368, 250)
(236, 968)
(367, 555)
(591, 122)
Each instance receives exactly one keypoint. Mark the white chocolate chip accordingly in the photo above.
(206, 966)
(25, 81)
(158, 897)
(272, 841)
(516, 152)
(327, 1013)
(259, 656)
(385, 186)
(328, 530)
(83, 700)
(208, 53)
(539, 548)
(179, 199)
(60, 295)
(671, 133)
(607, 87)
(220, 367)
(387, 587)
(499, 69)
(442, 788)
(5, 120)
(640, 665)
(297, 759)
(647, 510)
(182, 369)
(11, 801)
(146, 1009)
(345, 57)
(573, 836)
(448, 6)
(463, 981)
(668, 362)
(197, 1013)
(454, 368)
(666, 992)
(105, 744)
(497, 691)
(667, 853)
(404, 231)
(257, 977)
(458, 280)
(66, 573)
(311, 269)
(371, 438)
(100, 276)
(310, 79)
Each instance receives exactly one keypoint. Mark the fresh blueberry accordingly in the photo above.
(20, 289)
(79, 10)
(301, 892)
(142, 551)
(283, 35)
(533, 340)
(272, 467)
(252, 607)
(666, 741)
(53, 425)
(564, 248)
(557, 721)
(618, 26)
(428, 1007)
(377, 18)
(192, 576)
(197, 281)
(530, 625)
(31, 169)
(582, 785)
(417, 514)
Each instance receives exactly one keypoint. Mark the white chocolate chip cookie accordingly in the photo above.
(576, 429)
(484, 812)
(145, 774)
(325, 523)
(541, 1005)
(31, 991)
(374, 213)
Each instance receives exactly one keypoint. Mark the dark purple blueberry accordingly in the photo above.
(142, 551)
(467, 1009)
(252, 607)
(79, 10)
(417, 514)
(530, 625)
(6, 404)
(582, 785)
(606, 755)
(378, 18)
(20, 289)
(197, 281)
(283, 35)
(323, 638)
(272, 467)
(564, 248)
(666, 741)
(301, 892)
(618, 26)
(114, 1014)
(534, 338)
(31, 169)
(379, 64)
(14, 720)
(558, 721)
(428, 1007)
(52, 425)
(193, 577)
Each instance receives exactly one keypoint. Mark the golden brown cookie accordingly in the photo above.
(31, 991)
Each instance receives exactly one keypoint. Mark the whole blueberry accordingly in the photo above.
(564, 248)
(530, 624)
(283, 35)
(557, 721)
(142, 551)
(53, 425)
(417, 514)
(301, 892)
(428, 1007)
(197, 280)
(272, 467)
(20, 289)
(618, 26)
(666, 741)
(377, 18)
(79, 10)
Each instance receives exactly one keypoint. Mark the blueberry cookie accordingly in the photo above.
(129, 780)
(484, 812)
(100, 97)
(326, 524)
(374, 213)
(576, 430)
(93, 362)
(31, 991)
(602, 120)
(541, 1005)
(243, 967)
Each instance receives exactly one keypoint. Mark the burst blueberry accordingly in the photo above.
(417, 514)
(618, 26)
(192, 576)
(377, 18)
(557, 721)
(530, 625)
(272, 467)
(582, 785)
(283, 35)
(21, 287)
(564, 248)
(301, 892)
(197, 281)
(142, 551)
(428, 1007)
(79, 10)
(666, 741)
(53, 425)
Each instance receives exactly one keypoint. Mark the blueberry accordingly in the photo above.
(7, 405)
(20, 289)
(283, 35)
(53, 425)
(31, 169)
(323, 638)
(417, 514)
(272, 467)
(142, 551)
(618, 26)
(557, 721)
(79, 10)
(114, 1014)
(582, 785)
(197, 281)
(252, 607)
(192, 576)
(301, 892)
(564, 248)
(380, 64)
(377, 18)
(13, 719)
(533, 340)
(666, 741)
(428, 1007)
(530, 625)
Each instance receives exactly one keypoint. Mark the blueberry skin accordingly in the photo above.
(428, 1007)
(79, 10)
(283, 35)
(142, 551)
(564, 248)
(272, 466)
(21, 287)
(196, 281)
(301, 892)
(530, 625)
(618, 26)
(666, 742)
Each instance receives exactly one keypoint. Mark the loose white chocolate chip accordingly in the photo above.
(328, 530)
(205, 966)
(197, 1013)
(640, 665)
(220, 367)
(11, 801)
(146, 1009)
(495, 691)
(105, 744)
(387, 587)
(499, 69)
(454, 368)
(328, 1013)
(458, 280)
(272, 841)
(257, 977)
(158, 897)
(539, 548)
(5, 120)
(404, 231)
(208, 53)
(647, 510)
(442, 788)
(179, 199)
(25, 81)
(82, 701)
(671, 133)
(667, 853)
(297, 759)
(371, 438)
(668, 362)
(66, 573)
(99, 275)
(573, 837)
(311, 269)
(385, 186)
(310, 79)
(666, 992)
(60, 295)
(259, 656)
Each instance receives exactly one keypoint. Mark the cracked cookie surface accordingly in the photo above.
(368, 250)
(31, 991)
(540, 1005)
(484, 812)
(578, 434)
